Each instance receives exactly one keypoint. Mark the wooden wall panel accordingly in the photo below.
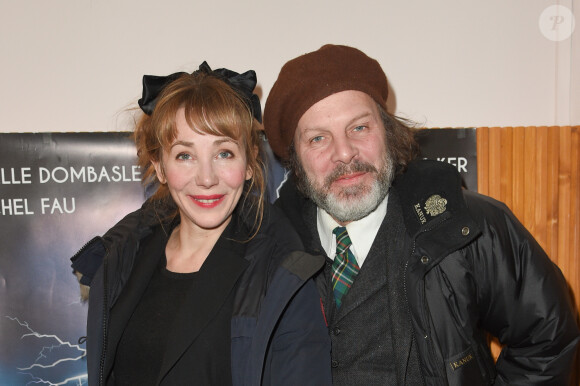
(536, 172)
(518, 172)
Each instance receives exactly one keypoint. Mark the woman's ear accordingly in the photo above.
(249, 171)
(158, 165)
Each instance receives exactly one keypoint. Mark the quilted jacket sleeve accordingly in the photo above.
(524, 299)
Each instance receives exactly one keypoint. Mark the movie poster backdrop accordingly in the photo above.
(57, 191)
(457, 147)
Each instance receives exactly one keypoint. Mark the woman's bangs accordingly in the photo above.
(215, 117)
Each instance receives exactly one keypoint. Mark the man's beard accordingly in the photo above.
(354, 202)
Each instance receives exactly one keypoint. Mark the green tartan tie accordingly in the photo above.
(345, 267)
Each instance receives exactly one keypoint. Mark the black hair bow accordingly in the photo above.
(243, 84)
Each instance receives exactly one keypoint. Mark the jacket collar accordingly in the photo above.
(428, 189)
(434, 211)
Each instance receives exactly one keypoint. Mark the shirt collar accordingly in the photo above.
(362, 233)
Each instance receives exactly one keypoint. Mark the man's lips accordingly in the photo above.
(349, 175)
(348, 178)
(207, 201)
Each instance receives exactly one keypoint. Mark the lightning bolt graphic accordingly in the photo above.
(78, 380)
(43, 354)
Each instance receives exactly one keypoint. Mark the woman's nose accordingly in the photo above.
(206, 175)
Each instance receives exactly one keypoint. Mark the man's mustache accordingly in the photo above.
(343, 169)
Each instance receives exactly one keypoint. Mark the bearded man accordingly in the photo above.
(419, 271)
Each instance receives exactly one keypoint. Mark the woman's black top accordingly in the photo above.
(142, 346)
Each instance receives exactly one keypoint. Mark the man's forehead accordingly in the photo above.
(341, 108)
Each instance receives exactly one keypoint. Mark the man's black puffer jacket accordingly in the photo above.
(473, 269)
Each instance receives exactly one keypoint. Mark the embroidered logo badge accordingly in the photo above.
(435, 205)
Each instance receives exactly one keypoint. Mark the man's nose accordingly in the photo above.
(343, 149)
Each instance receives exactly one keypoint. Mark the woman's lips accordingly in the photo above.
(208, 201)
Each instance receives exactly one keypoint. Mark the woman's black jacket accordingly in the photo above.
(278, 332)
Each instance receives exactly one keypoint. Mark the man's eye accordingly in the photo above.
(318, 138)
(359, 128)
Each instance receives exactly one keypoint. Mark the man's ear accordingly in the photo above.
(158, 165)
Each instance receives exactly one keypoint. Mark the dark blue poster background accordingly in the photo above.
(57, 191)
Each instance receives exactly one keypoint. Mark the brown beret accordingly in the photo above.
(309, 78)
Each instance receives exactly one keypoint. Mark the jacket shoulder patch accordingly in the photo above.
(435, 205)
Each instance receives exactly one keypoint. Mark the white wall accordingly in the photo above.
(73, 65)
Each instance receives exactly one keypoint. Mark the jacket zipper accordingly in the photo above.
(425, 305)
(413, 339)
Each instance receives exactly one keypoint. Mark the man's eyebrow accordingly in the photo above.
(362, 115)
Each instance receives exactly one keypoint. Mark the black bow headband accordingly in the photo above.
(243, 84)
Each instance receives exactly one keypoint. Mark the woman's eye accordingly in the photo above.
(225, 154)
(183, 156)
